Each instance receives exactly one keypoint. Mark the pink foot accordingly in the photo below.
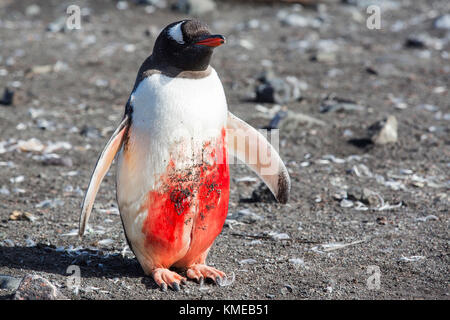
(164, 277)
(199, 272)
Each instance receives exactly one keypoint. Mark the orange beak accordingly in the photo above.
(212, 41)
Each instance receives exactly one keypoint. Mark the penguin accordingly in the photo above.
(173, 149)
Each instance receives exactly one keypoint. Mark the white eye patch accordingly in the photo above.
(176, 33)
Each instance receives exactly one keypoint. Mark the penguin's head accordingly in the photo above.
(186, 45)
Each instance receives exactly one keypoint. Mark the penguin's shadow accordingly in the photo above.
(42, 258)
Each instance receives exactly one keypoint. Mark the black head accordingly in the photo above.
(186, 45)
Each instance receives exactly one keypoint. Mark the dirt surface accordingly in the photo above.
(316, 247)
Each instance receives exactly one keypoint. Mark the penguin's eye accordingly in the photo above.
(176, 33)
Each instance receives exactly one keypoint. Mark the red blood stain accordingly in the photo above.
(195, 198)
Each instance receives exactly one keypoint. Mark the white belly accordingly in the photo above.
(172, 118)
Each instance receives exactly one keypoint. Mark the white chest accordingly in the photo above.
(168, 113)
(166, 108)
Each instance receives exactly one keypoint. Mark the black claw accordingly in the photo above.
(183, 281)
(175, 286)
(163, 287)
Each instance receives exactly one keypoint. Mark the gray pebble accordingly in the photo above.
(8, 282)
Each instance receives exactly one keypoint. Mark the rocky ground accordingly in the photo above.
(359, 211)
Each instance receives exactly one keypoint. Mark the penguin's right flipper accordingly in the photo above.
(101, 168)
(252, 148)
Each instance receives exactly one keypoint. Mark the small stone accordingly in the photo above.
(429, 217)
(346, 203)
(247, 261)
(8, 282)
(122, 5)
(104, 242)
(261, 194)
(246, 216)
(384, 131)
(50, 203)
(17, 179)
(60, 66)
(4, 191)
(370, 197)
(427, 107)
(129, 48)
(8, 243)
(287, 289)
(32, 145)
(336, 104)
(297, 20)
(150, 9)
(442, 22)
(361, 170)
(297, 261)
(326, 57)
(295, 120)
(34, 287)
(382, 220)
(339, 195)
(246, 180)
(418, 184)
(412, 258)
(52, 159)
(278, 90)
(33, 10)
(278, 236)
(8, 97)
(57, 25)
(194, 7)
(18, 215)
(90, 132)
(415, 43)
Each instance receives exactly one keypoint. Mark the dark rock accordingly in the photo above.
(415, 43)
(261, 194)
(34, 287)
(278, 90)
(7, 98)
(371, 70)
(382, 220)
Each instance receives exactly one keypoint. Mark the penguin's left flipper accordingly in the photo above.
(252, 148)
(101, 168)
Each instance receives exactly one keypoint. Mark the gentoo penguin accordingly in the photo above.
(173, 146)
